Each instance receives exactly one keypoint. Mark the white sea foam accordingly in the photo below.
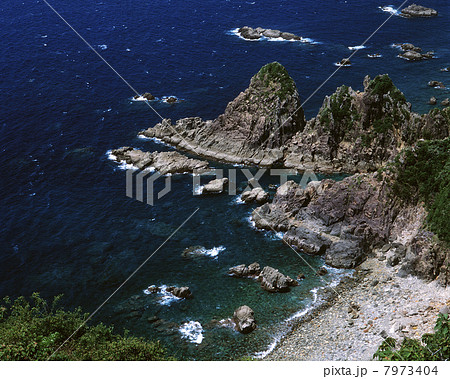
(192, 331)
(153, 139)
(164, 297)
(265, 353)
(213, 253)
(102, 47)
(238, 200)
(374, 55)
(390, 9)
(359, 47)
(142, 98)
(338, 64)
(124, 165)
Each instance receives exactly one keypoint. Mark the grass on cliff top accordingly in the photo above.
(33, 330)
(275, 72)
(423, 173)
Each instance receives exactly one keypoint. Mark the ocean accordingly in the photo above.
(68, 226)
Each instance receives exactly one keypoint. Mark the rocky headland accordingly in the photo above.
(353, 132)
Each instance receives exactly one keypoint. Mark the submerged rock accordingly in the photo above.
(244, 319)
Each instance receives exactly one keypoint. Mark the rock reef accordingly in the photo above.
(257, 33)
(164, 162)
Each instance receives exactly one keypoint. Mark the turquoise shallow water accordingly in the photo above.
(67, 226)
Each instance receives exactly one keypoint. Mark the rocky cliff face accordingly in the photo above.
(254, 128)
(343, 221)
(361, 131)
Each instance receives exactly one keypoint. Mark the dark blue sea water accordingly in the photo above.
(67, 226)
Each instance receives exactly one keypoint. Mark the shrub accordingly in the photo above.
(432, 347)
(33, 330)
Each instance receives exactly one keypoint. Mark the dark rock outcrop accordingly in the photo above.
(244, 319)
(165, 162)
(307, 240)
(361, 131)
(415, 10)
(254, 128)
(181, 292)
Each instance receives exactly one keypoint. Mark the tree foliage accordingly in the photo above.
(32, 330)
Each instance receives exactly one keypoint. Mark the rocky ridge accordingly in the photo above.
(353, 132)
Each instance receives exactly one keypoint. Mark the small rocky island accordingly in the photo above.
(249, 33)
(414, 11)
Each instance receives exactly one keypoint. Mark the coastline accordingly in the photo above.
(389, 306)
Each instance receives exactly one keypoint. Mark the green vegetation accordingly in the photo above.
(341, 111)
(383, 125)
(276, 73)
(33, 330)
(423, 173)
(432, 347)
(383, 85)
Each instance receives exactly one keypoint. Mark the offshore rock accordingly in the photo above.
(256, 33)
(254, 128)
(274, 281)
(244, 319)
(242, 271)
(415, 10)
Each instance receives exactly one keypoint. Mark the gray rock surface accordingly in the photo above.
(415, 10)
(242, 271)
(215, 186)
(165, 162)
(257, 195)
(244, 319)
(274, 281)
